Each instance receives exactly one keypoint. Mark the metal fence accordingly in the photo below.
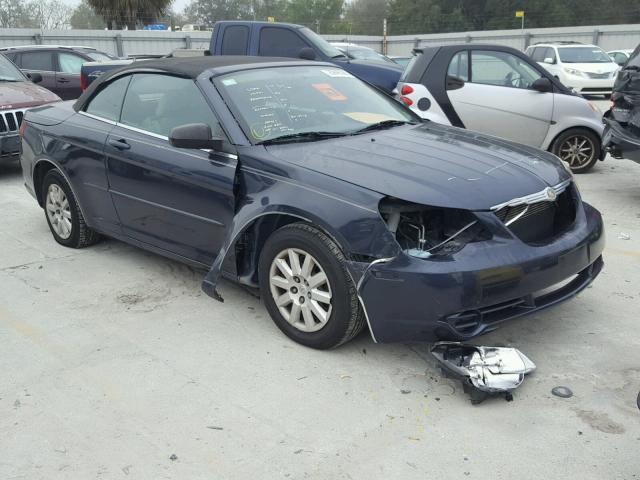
(126, 42)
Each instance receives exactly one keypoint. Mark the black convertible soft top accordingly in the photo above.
(188, 67)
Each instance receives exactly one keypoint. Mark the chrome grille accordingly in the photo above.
(10, 120)
(539, 216)
(599, 75)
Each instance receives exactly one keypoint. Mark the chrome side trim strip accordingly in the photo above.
(549, 194)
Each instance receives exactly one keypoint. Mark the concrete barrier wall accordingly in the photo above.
(126, 42)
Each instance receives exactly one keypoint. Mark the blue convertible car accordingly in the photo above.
(333, 200)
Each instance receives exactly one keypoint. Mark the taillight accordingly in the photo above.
(407, 101)
(406, 90)
(23, 125)
(83, 82)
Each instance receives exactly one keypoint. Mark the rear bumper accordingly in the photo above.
(485, 284)
(9, 147)
(618, 142)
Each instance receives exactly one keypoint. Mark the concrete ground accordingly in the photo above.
(113, 361)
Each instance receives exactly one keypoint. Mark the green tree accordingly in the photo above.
(84, 17)
(324, 16)
(14, 14)
(129, 13)
(365, 17)
(206, 12)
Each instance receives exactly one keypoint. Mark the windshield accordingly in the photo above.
(9, 72)
(362, 53)
(321, 44)
(583, 55)
(100, 57)
(278, 102)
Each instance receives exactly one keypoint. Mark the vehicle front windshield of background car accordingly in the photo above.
(9, 72)
(287, 101)
(100, 57)
(360, 53)
(321, 44)
(583, 55)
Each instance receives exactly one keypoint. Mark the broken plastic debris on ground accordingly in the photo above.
(483, 371)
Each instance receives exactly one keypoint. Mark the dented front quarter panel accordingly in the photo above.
(266, 186)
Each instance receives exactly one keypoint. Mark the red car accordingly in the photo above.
(18, 93)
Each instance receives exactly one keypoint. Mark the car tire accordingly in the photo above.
(569, 147)
(63, 215)
(317, 314)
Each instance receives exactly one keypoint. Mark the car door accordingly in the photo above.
(86, 134)
(68, 67)
(178, 200)
(42, 62)
(495, 96)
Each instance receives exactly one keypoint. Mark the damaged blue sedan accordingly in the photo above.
(337, 204)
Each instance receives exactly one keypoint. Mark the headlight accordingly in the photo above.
(423, 231)
(613, 74)
(577, 73)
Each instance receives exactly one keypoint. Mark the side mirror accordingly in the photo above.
(194, 135)
(549, 60)
(542, 85)
(34, 77)
(307, 53)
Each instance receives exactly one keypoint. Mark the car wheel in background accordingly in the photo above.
(307, 289)
(579, 147)
(63, 215)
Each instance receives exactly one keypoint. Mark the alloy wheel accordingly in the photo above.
(577, 151)
(300, 289)
(58, 211)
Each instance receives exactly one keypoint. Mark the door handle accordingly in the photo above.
(120, 144)
(63, 80)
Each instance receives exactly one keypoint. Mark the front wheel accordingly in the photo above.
(578, 147)
(63, 214)
(307, 289)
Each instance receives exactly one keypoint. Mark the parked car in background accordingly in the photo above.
(17, 94)
(59, 66)
(622, 121)
(272, 39)
(587, 69)
(620, 56)
(500, 91)
(401, 60)
(358, 52)
(330, 198)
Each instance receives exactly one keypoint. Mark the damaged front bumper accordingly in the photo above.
(471, 292)
(619, 141)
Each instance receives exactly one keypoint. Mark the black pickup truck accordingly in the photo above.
(270, 39)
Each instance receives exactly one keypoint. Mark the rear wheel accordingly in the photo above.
(63, 215)
(307, 289)
(578, 147)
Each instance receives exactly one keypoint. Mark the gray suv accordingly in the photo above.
(59, 66)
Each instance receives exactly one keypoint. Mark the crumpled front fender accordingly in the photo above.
(355, 226)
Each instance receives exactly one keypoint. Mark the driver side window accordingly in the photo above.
(501, 69)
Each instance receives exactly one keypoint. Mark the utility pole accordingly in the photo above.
(318, 27)
(384, 36)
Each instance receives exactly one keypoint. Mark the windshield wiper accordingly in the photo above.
(10, 80)
(302, 137)
(340, 55)
(383, 124)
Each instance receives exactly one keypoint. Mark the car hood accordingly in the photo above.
(431, 164)
(593, 67)
(14, 95)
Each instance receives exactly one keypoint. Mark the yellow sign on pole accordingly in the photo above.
(271, 19)
(519, 13)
